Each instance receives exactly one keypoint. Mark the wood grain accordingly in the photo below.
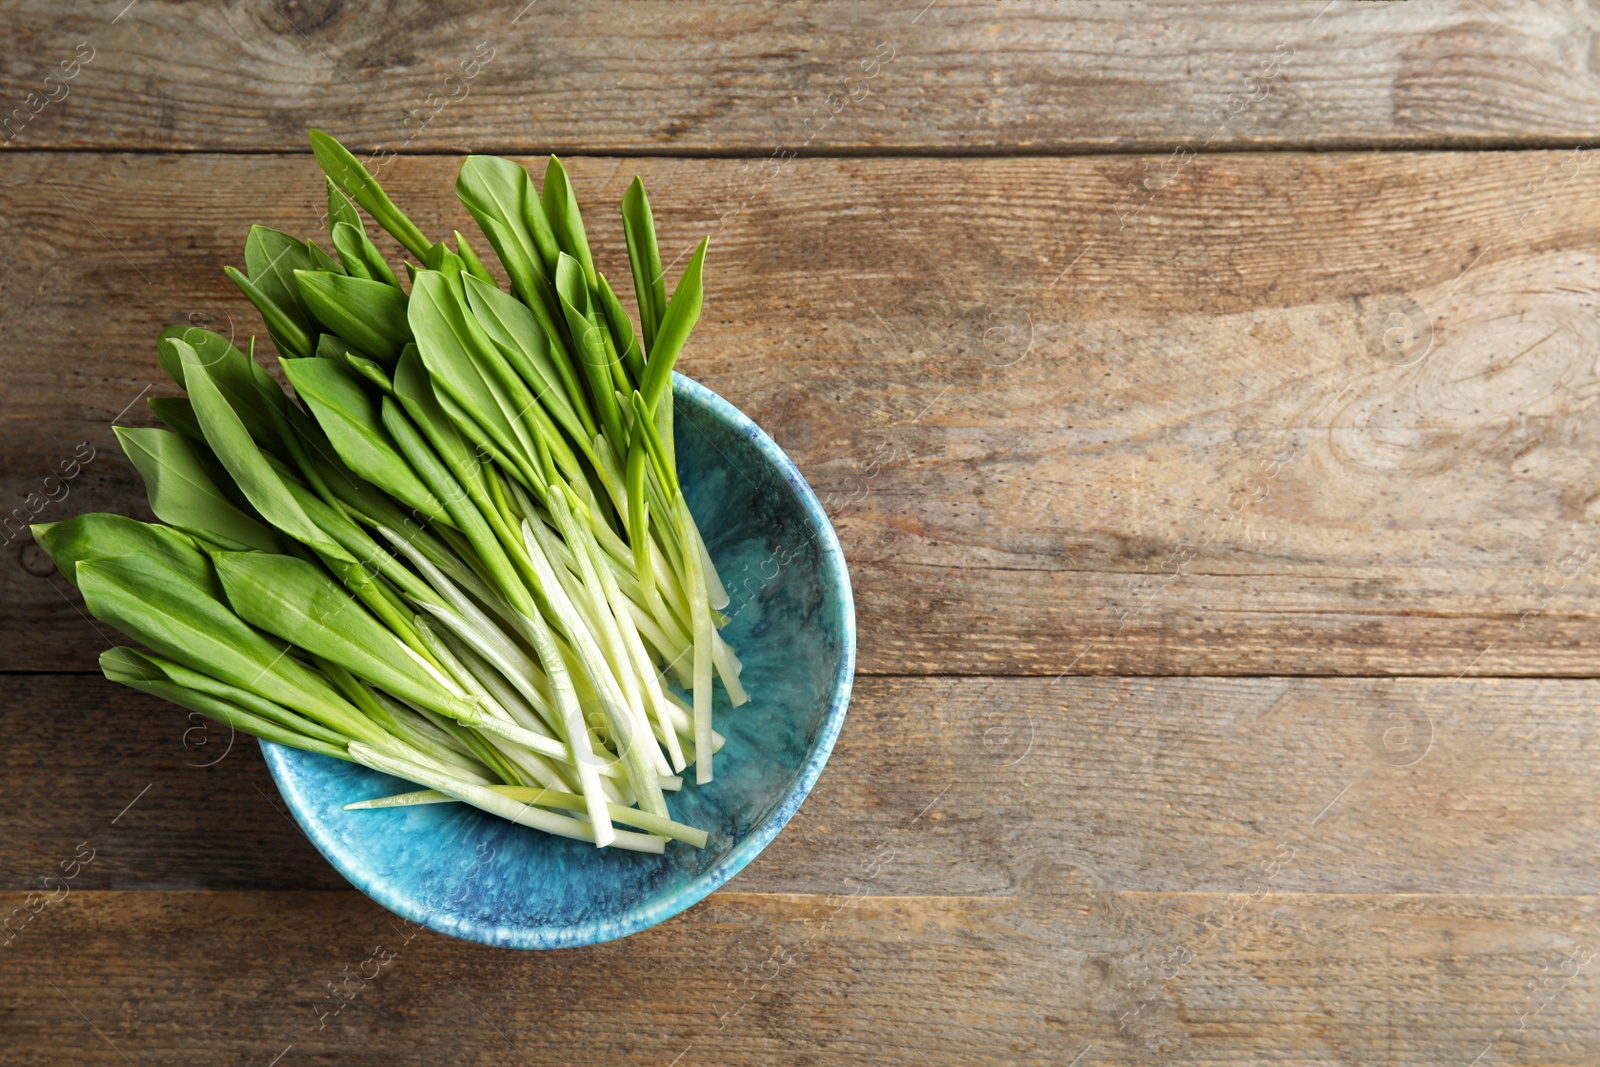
(1221, 524)
(685, 76)
(1276, 414)
(238, 978)
(959, 787)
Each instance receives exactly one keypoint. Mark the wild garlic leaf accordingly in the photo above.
(340, 209)
(535, 291)
(369, 315)
(270, 259)
(298, 602)
(332, 346)
(622, 330)
(683, 311)
(219, 710)
(443, 259)
(349, 416)
(178, 414)
(588, 346)
(370, 371)
(342, 528)
(499, 188)
(320, 260)
(360, 256)
(539, 228)
(97, 535)
(566, 222)
(644, 260)
(256, 478)
(496, 192)
(151, 603)
(643, 424)
(525, 273)
(184, 495)
(416, 394)
(250, 390)
(511, 326)
(457, 362)
(286, 332)
(130, 666)
(345, 171)
(475, 267)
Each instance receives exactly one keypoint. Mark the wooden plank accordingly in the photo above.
(240, 978)
(1105, 436)
(963, 787)
(850, 76)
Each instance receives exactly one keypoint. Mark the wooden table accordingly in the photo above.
(1201, 393)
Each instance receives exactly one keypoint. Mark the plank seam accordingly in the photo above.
(934, 152)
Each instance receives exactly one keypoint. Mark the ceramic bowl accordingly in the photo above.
(468, 874)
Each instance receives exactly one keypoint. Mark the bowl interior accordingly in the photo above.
(468, 874)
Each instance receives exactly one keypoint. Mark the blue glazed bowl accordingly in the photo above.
(468, 874)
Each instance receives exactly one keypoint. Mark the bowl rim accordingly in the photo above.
(656, 910)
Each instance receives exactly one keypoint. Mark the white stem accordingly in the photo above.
(583, 645)
(503, 654)
(499, 804)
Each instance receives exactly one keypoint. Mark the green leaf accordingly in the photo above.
(359, 577)
(591, 350)
(270, 259)
(415, 391)
(349, 416)
(350, 254)
(235, 717)
(226, 713)
(298, 602)
(530, 284)
(453, 348)
(183, 494)
(538, 223)
(332, 346)
(178, 414)
(289, 335)
(682, 313)
(360, 256)
(475, 267)
(151, 603)
(341, 210)
(644, 260)
(250, 390)
(622, 330)
(345, 171)
(320, 260)
(526, 274)
(132, 667)
(499, 188)
(516, 331)
(472, 429)
(440, 258)
(100, 535)
(419, 452)
(445, 479)
(369, 315)
(255, 477)
(496, 192)
(370, 371)
(566, 222)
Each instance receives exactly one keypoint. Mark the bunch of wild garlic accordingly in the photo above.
(462, 557)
